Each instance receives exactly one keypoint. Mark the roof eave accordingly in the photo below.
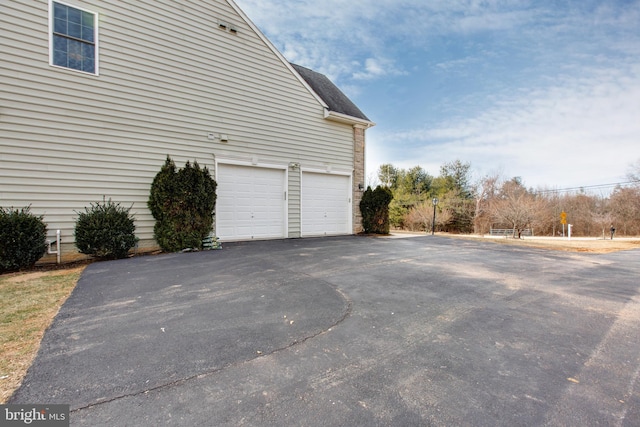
(345, 118)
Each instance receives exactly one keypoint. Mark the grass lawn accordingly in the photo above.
(30, 301)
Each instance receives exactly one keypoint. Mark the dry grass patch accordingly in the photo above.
(592, 245)
(30, 301)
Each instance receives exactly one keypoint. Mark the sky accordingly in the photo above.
(548, 91)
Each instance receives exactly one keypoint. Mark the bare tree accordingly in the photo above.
(420, 217)
(549, 219)
(602, 214)
(580, 208)
(516, 206)
(633, 173)
(625, 209)
(373, 180)
(484, 194)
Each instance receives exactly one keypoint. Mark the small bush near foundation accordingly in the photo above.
(22, 239)
(105, 230)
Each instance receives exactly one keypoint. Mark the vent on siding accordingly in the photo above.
(225, 26)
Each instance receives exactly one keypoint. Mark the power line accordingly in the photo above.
(590, 187)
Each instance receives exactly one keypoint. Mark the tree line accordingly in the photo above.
(467, 205)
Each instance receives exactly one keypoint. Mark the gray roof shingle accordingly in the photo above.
(334, 98)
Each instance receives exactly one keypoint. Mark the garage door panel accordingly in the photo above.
(326, 204)
(250, 203)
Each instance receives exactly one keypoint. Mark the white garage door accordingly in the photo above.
(250, 203)
(326, 204)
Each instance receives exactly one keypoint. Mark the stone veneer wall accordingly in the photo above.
(358, 175)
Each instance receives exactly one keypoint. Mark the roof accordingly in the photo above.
(337, 101)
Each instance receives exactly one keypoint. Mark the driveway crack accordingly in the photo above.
(346, 313)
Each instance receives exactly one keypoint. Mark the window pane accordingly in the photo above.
(75, 63)
(87, 33)
(87, 19)
(75, 54)
(88, 65)
(60, 11)
(88, 51)
(60, 44)
(60, 26)
(74, 15)
(74, 30)
(75, 48)
(60, 58)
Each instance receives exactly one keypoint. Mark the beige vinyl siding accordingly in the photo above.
(294, 203)
(168, 77)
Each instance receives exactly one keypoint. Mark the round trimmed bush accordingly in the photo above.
(22, 239)
(105, 230)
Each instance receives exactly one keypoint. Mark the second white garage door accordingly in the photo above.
(326, 204)
(250, 203)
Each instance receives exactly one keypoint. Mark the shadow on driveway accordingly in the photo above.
(348, 331)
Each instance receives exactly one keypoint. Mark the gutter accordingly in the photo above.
(344, 118)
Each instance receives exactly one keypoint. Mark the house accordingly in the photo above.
(95, 94)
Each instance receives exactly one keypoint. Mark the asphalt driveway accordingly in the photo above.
(348, 331)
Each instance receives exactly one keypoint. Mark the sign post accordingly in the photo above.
(563, 220)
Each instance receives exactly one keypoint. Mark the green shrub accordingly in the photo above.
(22, 239)
(374, 207)
(183, 203)
(105, 230)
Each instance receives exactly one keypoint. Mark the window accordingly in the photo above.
(74, 38)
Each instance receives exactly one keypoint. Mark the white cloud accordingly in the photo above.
(576, 132)
(337, 31)
(377, 67)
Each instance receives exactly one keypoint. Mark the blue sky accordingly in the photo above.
(545, 90)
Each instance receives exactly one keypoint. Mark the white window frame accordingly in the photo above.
(95, 36)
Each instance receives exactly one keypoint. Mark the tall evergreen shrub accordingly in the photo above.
(374, 207)
(182, 201)
(22, 239)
